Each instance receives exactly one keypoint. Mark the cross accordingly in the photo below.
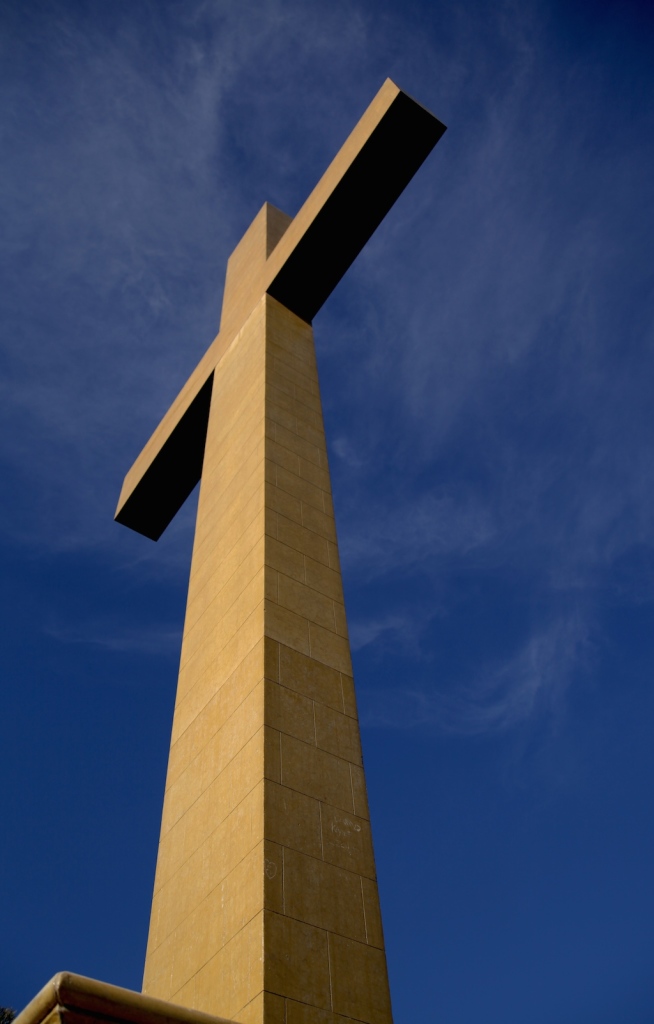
(265, 905)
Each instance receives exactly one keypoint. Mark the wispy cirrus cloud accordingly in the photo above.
(114, 637)
(532, 682)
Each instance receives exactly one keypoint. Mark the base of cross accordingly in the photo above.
(73, 999)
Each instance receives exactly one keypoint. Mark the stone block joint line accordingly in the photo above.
(265, 906)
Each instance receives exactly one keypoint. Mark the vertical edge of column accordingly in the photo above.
(324, 956)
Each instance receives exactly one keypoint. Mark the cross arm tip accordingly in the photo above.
(391, 141)
(165, 473)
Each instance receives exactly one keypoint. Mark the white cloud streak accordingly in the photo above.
(531, 683)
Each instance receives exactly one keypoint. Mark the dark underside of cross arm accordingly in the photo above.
(379, 173)
(173, 473)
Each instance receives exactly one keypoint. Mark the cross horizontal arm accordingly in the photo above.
(173, 473)
(372, 168)
(357, 190)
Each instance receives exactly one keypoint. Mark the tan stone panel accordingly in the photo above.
(181, 795)
(281, 359)
(284, 558)
(222, 477)
(307, 396)
(284, 398)
(349, 696)
(287, 627)
(320, 577)
(282, 456)
(240, 832)
(294, 443)
(323, 895)
(306, 602)
(290, 712)
(329, 504)
(359, 792)
(233, 419)
(266, 1008)
(315, 474)
(338, 734)
(272, 754)
(232, 903)
(189, 947)
(317, 521)
(221, 593)
(236, 731)
(359, 981)
(310, 677)
(220, 657)
(222, 589)
(306, 399)
(273, 877)
(296, 962)
(281, 501)
(310, 432)
(206, 811)
(283, 386)
(302, 1013)
(271, 585)
(303, 378)
(221, 652)
(236, 393)
(278, 414)
(374, 931)
(237, 415)
(234, 976)
(289, 338)
(226, 689)
(227, 497)
(224, 558)
(214, 558)
(271, 660)
(330, 648)
(334, 559)
(302, 374)
(346, 841)
(299, 488)
(228, 506)
(226, 494)
(212, 859)
(293, 347)
(225, 623)
(340, 619)
(271, 524)
(292, 819)
(316, 773)
(226, 698)
(176, 900)
(215, 661)
(303, 540)
(158, 973)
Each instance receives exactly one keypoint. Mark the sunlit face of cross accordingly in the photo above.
(299, 263)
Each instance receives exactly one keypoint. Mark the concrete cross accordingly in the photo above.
(265, 907)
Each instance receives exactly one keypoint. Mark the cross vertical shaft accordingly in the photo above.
(265, 907)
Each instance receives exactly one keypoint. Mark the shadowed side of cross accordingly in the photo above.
(304, 259)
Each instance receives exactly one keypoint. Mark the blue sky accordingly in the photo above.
(486, 369)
